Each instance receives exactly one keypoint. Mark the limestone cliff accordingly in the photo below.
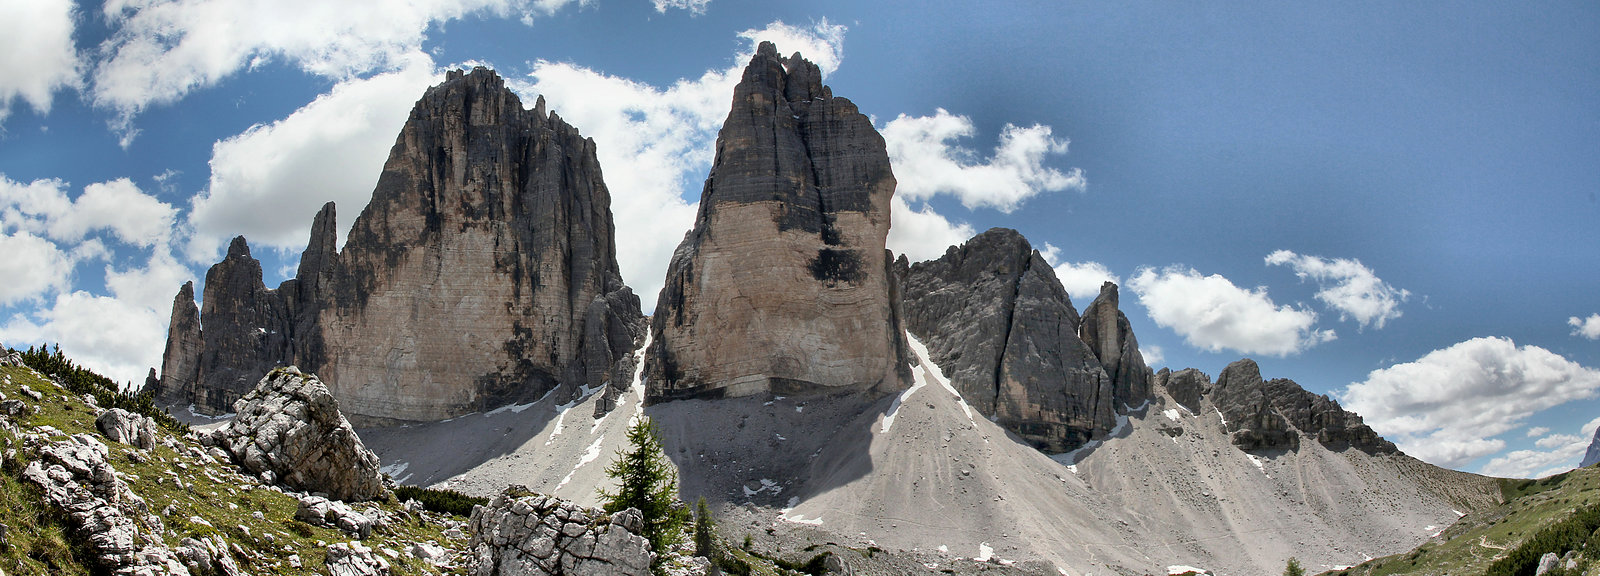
(998, 323)
(1107, 332)
(783, 285)
(483, 271)
(1275, 413)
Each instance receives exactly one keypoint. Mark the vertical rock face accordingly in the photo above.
(1592, 455)
(180, 363)
(246, 330)
(997, 321)
(483, 271)
(783, 285)
(1107, 332)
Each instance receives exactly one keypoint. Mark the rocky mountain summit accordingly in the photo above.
(783, 285)
(483, 271)
(1592, 455)
(999, 324)
(1272, 414)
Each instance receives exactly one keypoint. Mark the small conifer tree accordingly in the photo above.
(647, 481)
(704, 528)
(1293, 568)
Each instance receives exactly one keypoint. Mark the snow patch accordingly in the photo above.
(518, 408)
(944, 549)
(1459, 514)
(1220, 416)
(797, 518)
(1172, 414)
(767, 485)
(1180, 569)
(394, 469)
(637, 386)
(985, 552)
(589, 455)
(1257, 462)
(932, 371)
(199, 415)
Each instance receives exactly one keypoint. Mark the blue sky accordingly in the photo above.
(1392, 203)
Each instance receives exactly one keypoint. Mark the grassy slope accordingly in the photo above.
(222, 499)
(1469, 545)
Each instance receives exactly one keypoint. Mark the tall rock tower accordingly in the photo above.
(784, 285)
(483, 271)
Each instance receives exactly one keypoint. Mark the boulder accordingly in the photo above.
(998, 323)
(126, 427)
(783, 285)
(290, 425)
(353, 559)
(519, 534)
(321, 511)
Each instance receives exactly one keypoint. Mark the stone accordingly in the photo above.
(511, 537)
(1000, 326)
(290, 425)
(482, 272)
(1186, 386)
(75, 477)
(1274, 414)
(126, 427)
(353, 559)
(321, 511)
(10, 357)
(783, 284)
(426, 552)
(1105, 329)
(1549, 561)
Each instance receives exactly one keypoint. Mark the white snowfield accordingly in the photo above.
(919, 470)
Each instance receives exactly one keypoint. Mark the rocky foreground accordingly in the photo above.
(287, 488)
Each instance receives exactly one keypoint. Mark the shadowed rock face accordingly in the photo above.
(180, 362)
(783, 285)
(1273, 414)
(1107, 332)
(483, 271)
(998, 323)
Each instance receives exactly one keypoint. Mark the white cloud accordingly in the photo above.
(109, 335)
(162, 49)
(922, 234)
(269, 181)
(1448, 406)
(1081, 279)
(32, 267)
(655, 142)
(1347, 286)
(1538, 431)
(36, 52)
(117, 206)
(1213, 314)
(1585, 327)
(1153, 355)
(927, 163)
(693, 6)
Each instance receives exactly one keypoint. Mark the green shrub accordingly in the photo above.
(441, 501)
(1570, 533)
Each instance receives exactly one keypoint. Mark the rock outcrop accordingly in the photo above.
(483, 271)
(1274, 414)
(122, 534)
(290, 425)
(1000, 326)
(1592, 455)
(534, 535)
(783, 285)
(1186, 386)
(1107, 332)
(126, 427)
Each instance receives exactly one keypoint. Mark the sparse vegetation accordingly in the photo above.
(1293, 568)
(107, 394)
(1566, 535)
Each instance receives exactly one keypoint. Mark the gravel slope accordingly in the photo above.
(923, 477)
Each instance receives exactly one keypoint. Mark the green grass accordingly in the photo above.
(1472, 544)
(222, 499)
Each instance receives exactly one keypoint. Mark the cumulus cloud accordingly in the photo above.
(1537, 431)
(117, 206)
(1211, 313)
(36, 52)
(32, 267)
(269, 181)
(696, 7)
(1448, 406)
(921, 233)
(1347, 286)
(1561, 452)
(1153, 355)
(927, 162)
(1585, 327)
(1081, 279)
(109, 335)
(162, 49)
